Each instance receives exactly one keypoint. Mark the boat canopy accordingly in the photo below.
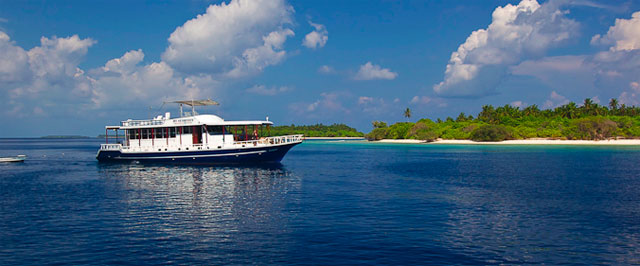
(197, 102)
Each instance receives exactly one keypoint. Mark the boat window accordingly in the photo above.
(172, 132)
(145, 133)
(159, 132)
(214, 130)
(186, 130)
(131, 134)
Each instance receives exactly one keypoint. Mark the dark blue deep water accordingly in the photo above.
(328, 203)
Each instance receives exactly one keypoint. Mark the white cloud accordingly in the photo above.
(569, 73)
(420, 100)
(370, 71)
(518, 104)
(241, 34)
(555, 100)
(14, 61)
(46, 75)
(325, 69)
(619, 66)
(317, 38)
(374, 106)
(517, 32)
(329, 103)
(365, 100)
(229, 40)
(263, 90)
(124, 64)
(122, 81)
(623, 36)
(256, 59)
(47, 79)
(630, 97)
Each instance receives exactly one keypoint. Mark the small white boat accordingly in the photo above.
(13, 159)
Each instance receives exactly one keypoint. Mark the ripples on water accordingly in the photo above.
(328, 203)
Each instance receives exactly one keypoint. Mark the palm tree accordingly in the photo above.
(587, 106)
(613, 104)
(571, 110)
(407, 113)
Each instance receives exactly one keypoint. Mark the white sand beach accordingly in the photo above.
(520, 142)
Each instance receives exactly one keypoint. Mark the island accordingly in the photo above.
(568, 123)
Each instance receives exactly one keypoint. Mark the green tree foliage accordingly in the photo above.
(491, 133)
(377, 134)
(317, 130)
(589, 120)
(424, 129)
(379, 124)
(591, 128)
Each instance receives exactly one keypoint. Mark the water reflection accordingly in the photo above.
(208, 205)
(510, 212)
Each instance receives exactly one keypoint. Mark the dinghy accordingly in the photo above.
(13, 159)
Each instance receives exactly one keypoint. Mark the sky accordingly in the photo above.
(73, 67)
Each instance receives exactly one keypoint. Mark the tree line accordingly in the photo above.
(589, 121)
(317, 130)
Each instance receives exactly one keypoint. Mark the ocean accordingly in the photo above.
(329, 202)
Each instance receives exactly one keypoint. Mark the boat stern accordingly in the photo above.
(108, 152)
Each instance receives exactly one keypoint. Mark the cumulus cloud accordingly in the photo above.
(123, 80)
(229, 40)
(516, 33)
(46, 74)
(623, 36)
(47, 77)
(14, 61)
(619, 65)
(256, 59)
(370, 71)
(631, 96)
(241, 35)
(264, 90)
(317, 38)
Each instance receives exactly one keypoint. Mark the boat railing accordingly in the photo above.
(110, 147)
(138, 123)
(273, 140)
(199, 146)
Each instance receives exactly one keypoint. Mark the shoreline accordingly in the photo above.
(517, 142)
(334, 138)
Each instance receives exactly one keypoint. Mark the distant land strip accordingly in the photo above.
(590, 121)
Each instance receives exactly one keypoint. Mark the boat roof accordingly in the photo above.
(197, 102)
(210, 120)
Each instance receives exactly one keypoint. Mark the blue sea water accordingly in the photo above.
(328, 203)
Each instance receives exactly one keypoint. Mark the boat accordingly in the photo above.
(13, 159)
(194, 138)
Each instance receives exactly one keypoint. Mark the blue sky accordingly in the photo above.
(72, 67)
